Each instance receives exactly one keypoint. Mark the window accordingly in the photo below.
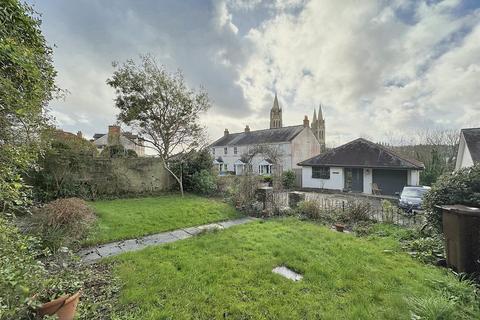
(213, 151)
(321, 172)
(234, 150)
(225, 167)
(225, 150)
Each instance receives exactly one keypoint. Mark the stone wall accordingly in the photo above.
(119, 176)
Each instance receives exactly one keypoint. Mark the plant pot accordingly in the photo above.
(64, 307)
(339, 227)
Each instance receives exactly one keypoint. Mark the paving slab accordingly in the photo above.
(158, 238)
(90, 255)
(192, 230)
(211, 226)
(180, 234)
(129, 245)
(287, 273)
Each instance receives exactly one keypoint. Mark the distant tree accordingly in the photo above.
(27, 84)
(161, 107)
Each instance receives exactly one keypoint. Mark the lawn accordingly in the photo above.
(227, 275)
(129, 218)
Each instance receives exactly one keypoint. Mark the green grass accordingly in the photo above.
(129, 218)
(227, 275)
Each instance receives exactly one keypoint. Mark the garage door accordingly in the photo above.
(390, 181)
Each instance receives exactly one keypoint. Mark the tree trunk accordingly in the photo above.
(179, 179)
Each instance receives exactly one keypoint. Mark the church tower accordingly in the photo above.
(318, 127)
(275, 115)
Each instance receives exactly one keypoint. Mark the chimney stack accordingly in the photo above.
(225, 133)
(247, 128)
(113, 136)
(306, 123)
(79, 134)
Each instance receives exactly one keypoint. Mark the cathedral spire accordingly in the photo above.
(275, 114)
(320, 115)
(275, 103)
(314, 120)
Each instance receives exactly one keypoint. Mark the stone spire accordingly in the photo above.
(275, 114)
(318, 127)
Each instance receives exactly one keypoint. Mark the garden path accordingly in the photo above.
(92, 254)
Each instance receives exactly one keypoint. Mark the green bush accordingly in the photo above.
(204, 182)
(288, 179)
(459, 187)
(21, 276)
(267, 179)
(427, 249)
(63, 222)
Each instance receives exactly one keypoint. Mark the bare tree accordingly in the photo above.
(161, 108)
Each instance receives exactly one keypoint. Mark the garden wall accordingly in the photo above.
(127, 176)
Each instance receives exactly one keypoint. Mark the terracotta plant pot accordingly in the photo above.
(339, 227)
(64, 307)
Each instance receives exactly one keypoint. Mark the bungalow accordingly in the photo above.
(468, 152)
(360, 166)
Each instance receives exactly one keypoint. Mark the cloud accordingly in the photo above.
(377, 66)
(376, 71)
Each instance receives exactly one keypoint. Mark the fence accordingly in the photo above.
(335, 202)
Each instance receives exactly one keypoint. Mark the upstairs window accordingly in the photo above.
(213, 151)
(225, 150)
(321, 172)
(234, 150)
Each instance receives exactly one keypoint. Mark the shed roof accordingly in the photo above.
(361, 153)
(472, 138)
(278, 135)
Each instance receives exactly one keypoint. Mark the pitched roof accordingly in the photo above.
(98, 135)
(361, 153)
(276, 135)
(472, 138)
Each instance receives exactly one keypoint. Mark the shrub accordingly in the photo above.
(310, 209)
(243, 192)
(267, 179)
(426, 249)
(459, 187)
(356, 211)
(63, 222)
(288, 179)
(21, 276)
(204, 182)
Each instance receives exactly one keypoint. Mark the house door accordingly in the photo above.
(354, 179)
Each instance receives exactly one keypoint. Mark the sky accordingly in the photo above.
(380, 69)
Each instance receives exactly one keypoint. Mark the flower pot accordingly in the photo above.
(64, 307)
(339, 227)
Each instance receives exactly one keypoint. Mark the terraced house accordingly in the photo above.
(236, 152)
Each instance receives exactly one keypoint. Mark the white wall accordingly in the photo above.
(304, 146)
(230, 157)
(464, 158)
(413, 177)
(367, 180)
(335, 182)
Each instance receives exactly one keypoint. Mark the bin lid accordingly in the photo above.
(461, 210)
